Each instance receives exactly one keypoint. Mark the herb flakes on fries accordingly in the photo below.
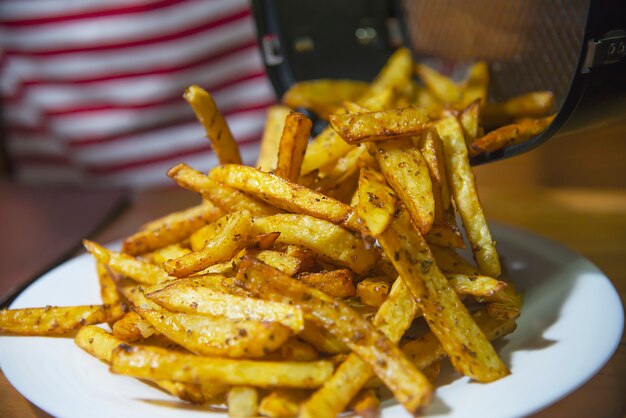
(291, 290)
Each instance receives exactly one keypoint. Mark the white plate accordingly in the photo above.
(571, 324)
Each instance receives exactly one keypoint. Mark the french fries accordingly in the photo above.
(465, 195)
(293, 142)
(155, 363)
(292, 289)
(215, 125)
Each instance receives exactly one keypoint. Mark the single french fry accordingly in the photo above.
(384, 125)
(366, 404)
(217, 336)
(463, 187)
(285, 195)
(97, 342)
(323, 96)
(372, 291)
(191, 297)
(108, 288)
(282, 403)
(377, 202)
(132, 328)
(326, 240)
(409, 386)
(170, 229)
(160, 256)
(509, 135)
(325, 149)
(469, 119)
(531, 105)
(215, 125)
(295, 350)
(406, 172)
(394, 76)
(158, 364)
(56, 320)
(441, 87)
(445, 235)
(227, 198)
(341, 171)
(223, 246)
(335, 283)
(427, 349)
(449, 261)
(504, 304)
(476, 85)
(293, 143)
(242, 401)
(274, 125)
(393, 318)
(478, 286)
(126, 265)
(321, 339)
(101, 344)
(469, 350)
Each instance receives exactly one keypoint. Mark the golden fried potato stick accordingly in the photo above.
(274, 125)
(101, 344)
(295, 350)
(476, 85)
(394, 76)
(377, 202)
(132, 328)
(366, 404)
(530, 105)
(108, 288)
(445, 235)
(126, 265)
(470, 119)
(479, 286)
(406, 172)
(504, 304)
(217, 336)
(372, 291)
(384, 125)
(408, 385)
(326, 240)
(463, 186)
(335, 283)
(509, 135)
(285, 195)
(227, 198)
(325, 149)
(171, 229)
(158, 364)
(320, 339)
(293, 143)
(160, 256)
(282, 403)
(242, 401)
(232, 238)
(215, 125)
(469, 350)
(340, 172)
(323, 96)
(441, 87)
(393, 318)
(56, 320)
(427, 349)
(449, 261)
(191, 297)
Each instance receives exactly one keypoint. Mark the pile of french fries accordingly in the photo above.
(293, 287)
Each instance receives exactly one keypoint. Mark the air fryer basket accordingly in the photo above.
(575, 48)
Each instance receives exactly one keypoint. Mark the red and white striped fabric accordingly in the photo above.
(92, 90)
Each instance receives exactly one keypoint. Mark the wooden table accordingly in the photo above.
(589, 221)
